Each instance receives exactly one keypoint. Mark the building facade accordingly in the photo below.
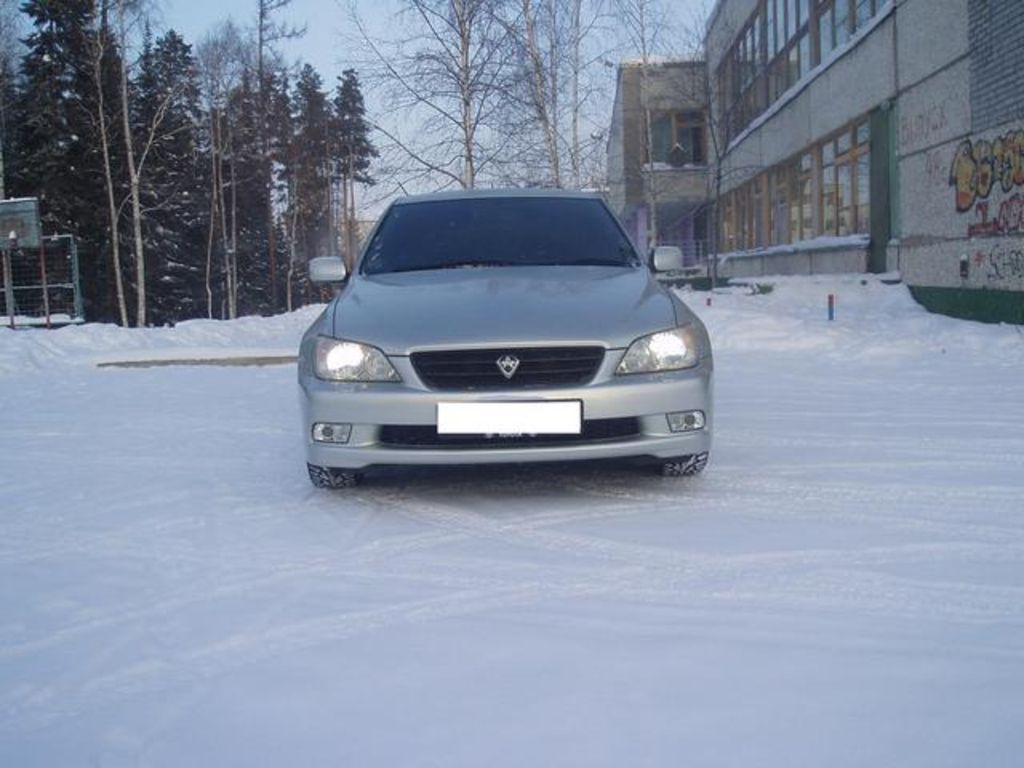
(658, 155)
(876, 135)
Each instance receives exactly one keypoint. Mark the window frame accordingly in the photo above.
(779, 44)
(791, 201)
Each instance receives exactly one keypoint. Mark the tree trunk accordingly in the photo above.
(133, 180)
(115, 240)
(233, 261)
(541, 81)
(292, 253)
(465, 28)
(222, 204)
(214, 152)
(577, 33)
(346, 249)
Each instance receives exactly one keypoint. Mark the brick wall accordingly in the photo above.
(996, 30)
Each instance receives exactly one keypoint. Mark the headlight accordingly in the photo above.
(348, 361)
(665, 351)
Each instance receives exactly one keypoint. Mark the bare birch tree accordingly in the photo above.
(269, 33)
(222, 59)
(101, 53)
(446, 75)
(557, 48)
(643, 24)
(137, 144)
(693, 37)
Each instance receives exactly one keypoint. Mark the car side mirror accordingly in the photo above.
(667, 258)
(327, 269)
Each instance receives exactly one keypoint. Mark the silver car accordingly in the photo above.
(494, 327)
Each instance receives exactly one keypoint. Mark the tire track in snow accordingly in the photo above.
(34, 708)
(325, 566)
(639, 574)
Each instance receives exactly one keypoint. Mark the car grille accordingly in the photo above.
(426, 436)
(478, 368)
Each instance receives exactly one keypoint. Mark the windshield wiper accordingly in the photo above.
(478, 264)
(594, 263)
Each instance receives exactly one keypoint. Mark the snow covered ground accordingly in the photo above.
(843, 587)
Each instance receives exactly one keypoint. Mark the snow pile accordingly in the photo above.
(874, 320)
(25, 350)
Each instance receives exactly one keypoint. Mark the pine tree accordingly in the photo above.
(50, 114)
(352, 152)
(58, 160)
(8, 97)
(246, 199)
(172, 194)
(311, 171)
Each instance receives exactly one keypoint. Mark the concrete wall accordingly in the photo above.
(724, 23)
(680, 184)
(954, 72)
(668, 87)
(833, 95)
(794, 261)
(961, 188)
(997, 90)
(616, 158)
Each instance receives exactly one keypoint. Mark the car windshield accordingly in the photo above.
(497, 232)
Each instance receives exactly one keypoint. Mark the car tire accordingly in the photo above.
(684, 466)
(332, 477)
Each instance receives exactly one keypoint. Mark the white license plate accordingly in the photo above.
(561, 417)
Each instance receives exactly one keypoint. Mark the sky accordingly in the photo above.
(324, 45)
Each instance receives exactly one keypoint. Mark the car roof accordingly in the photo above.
(482, 194)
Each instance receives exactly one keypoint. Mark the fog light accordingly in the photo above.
(686, 421)
(331, 433)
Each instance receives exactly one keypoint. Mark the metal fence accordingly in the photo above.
(42, 286)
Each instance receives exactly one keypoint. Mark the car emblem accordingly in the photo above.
(508, 365)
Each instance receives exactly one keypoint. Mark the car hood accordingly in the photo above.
(514, 306)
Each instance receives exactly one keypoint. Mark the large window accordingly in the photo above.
(825, 190)
(740, 76)
(846, 182)
(779, 44)
(789, 54)
(677, 138)
(806, 196)
(839, 20)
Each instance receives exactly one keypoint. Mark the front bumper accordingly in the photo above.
(368, 407)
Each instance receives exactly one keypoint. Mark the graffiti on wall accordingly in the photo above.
(1001, 263)
(917, 130)
(984, 175)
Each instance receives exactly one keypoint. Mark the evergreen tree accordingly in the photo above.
(246, 201)
(352, 152)
(167, 93)
(310, 174)
(8, 97)
(56, 160)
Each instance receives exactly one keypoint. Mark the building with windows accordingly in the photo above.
(874, 135)
(658, 155)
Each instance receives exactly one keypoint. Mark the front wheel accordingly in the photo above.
(332, 477)
(684, 466)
